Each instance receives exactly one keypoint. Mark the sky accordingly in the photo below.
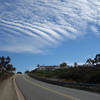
(49, 32)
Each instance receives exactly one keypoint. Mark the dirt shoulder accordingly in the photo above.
(7, 90)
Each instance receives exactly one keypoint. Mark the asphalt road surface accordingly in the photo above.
(36, 90)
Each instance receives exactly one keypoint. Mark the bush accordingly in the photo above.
(5, 75)
(78, 74)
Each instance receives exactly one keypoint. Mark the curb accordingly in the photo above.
(18, 92)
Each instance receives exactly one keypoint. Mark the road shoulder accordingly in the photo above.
(18, 92)
(7, 91)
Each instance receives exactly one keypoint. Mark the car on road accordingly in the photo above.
(19, 72)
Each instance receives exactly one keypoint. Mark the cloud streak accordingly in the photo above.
(28, 30)
(35, 25)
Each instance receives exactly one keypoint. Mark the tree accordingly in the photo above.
(13, 69)
(38, 65)
(10, 67)
(27, 71)
(97, 58)
(63, 65)
(75, 64)
(90, 61)
(4, 64)
(8, 60)
(2, 60)
(0, 63)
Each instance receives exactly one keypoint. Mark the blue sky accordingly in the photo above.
(49, 31)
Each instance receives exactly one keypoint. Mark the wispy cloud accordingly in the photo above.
(29, 30)
(95, 30)
(34, 25)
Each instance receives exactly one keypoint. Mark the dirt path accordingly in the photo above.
(7, 91)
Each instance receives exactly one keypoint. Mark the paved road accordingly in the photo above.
(36, 90)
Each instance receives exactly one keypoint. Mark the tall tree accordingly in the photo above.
(8, 60)
(4, 64)
(2, 60)
(90, 61)
(63, 65)
(75, 64)
(97, 58)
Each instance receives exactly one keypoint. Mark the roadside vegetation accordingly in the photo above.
(72, 74)
(86, 73)
(6, 69)
(85, 77)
